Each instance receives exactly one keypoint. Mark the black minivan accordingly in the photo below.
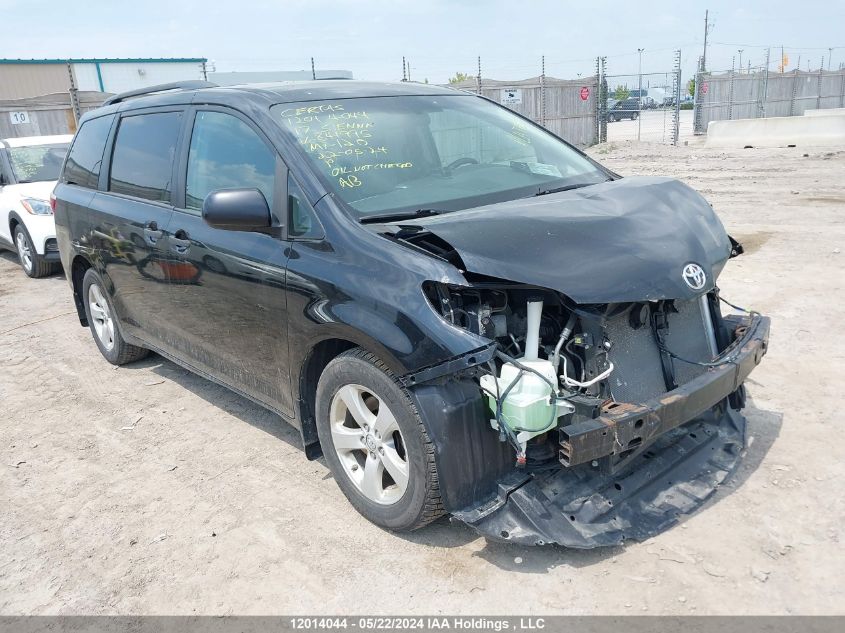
(461, 312)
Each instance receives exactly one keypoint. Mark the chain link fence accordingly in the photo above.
(644, 106)
(757, 92)
(566, 107)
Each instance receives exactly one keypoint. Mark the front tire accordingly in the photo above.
(376, 444)
(32, 263)
(104, 325)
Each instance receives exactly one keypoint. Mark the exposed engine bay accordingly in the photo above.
(557, 362)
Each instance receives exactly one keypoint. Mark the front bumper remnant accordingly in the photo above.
(624, 430)
(690, 442)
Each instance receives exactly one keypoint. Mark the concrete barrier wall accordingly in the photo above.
(828, 112)
(800, 131)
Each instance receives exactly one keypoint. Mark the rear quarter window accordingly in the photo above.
(86, 154)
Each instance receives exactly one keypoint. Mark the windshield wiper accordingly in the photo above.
(544, 192)
(405, 215)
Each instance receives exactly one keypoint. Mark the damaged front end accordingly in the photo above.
(611, 420)
(607, 402)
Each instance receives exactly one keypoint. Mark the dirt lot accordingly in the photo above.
(146, 490)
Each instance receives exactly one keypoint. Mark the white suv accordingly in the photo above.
(29, 168)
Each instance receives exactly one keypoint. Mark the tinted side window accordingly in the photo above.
(83, 163)
(142, 160)
(303, 219)
(227, 154)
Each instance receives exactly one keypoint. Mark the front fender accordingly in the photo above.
(39, 227)
(405, 342)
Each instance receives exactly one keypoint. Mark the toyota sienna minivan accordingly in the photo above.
(462, 313)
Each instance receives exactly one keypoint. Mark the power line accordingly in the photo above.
(791, 48)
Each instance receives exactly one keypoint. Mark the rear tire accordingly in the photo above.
(32, 263)
(104, 325)
(635, 116)
(376, 444)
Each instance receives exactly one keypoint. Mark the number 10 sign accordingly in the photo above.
(19, 117)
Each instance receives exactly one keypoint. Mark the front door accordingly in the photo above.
(229, 308)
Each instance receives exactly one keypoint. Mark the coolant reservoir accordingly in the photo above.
(527, 407)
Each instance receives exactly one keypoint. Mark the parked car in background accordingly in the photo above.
(29, 167)
(501, 330)
(649, 103)
(624, 109)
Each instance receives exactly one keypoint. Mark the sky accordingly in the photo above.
(439, 38)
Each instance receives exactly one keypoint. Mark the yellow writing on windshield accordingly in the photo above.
(343, 141)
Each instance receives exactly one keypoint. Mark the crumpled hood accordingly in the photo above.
(624, 240)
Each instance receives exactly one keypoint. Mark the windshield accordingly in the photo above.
(37, 163)
(394, 154)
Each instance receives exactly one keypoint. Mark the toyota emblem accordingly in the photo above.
(694, 276)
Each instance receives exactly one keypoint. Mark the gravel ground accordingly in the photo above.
(147, 490)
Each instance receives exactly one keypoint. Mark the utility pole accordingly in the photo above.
(313, 72)
(640, 96)
(740, 59)
(766, 83)
(829, 55)
(478, 77)
(706, 28)
(74, 97)
(543, 90)
(404, 78)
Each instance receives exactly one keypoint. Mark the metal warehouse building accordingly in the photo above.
(47, 96)
(23, 78)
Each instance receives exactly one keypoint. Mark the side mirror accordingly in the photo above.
(236, 210)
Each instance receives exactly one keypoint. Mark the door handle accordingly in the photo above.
(181, 241)
(152, 233)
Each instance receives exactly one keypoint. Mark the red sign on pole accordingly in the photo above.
(585, 93)
(704, 89)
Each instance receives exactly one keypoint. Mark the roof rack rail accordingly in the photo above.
(176, 85)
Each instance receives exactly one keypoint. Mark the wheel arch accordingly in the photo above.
(319, 354)
(79, 266)
(14, 220)
(318, 357)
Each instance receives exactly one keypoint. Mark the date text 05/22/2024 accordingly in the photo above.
(418, 623)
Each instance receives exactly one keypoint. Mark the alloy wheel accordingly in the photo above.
(369, 444)
(101, 316)
(24, 251)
